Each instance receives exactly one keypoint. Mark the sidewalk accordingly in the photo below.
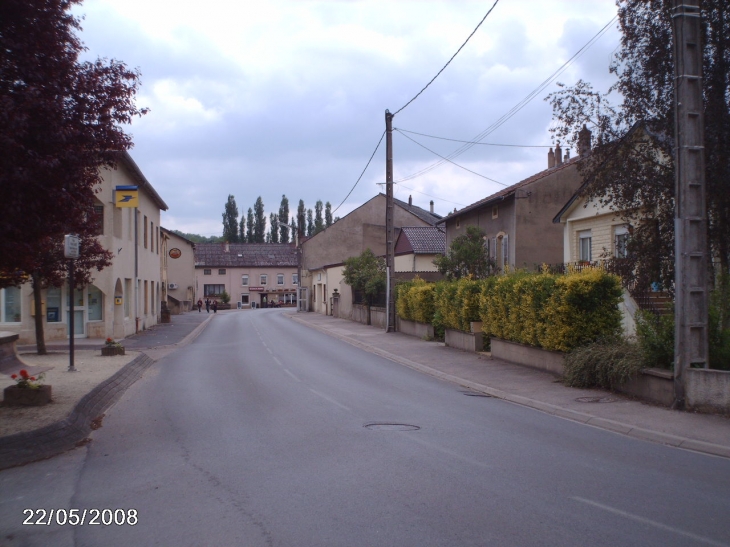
(80, 398)
(533, 388)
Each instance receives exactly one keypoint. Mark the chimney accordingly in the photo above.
(431, 206)
(558, 155)
(227, 248)
(584, 142)
(551, 159)
(410, 200)
(567, 155)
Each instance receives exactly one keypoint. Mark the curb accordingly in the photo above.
(67, 434)
(64, 435)
(575, 416)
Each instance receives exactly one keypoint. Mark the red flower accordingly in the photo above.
(32, 378)
(24, 374)
(13, 376)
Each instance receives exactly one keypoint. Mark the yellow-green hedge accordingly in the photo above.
(556, 312)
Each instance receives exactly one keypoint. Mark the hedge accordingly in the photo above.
(556, 312)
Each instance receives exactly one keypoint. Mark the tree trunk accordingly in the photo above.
(368, 306)
(38, 305)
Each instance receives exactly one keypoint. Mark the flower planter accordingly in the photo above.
(109, 352)
(23, 396)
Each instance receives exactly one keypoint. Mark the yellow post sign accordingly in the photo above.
(126, 196)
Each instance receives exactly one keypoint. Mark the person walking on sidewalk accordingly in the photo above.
(200, 304)
(215, 306)
(207, 305)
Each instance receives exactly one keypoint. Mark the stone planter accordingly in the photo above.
(468, 341)
(111, 351)
(23, 396)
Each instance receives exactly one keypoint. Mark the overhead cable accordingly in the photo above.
(474, 142)
(449, 61)
(361, 174)
(519, 106)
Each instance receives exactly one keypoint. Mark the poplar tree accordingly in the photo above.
(318, 221)
(273, 228)
(301, 219)
(259, 225)
(250, 226)
(310, 223)
(327, 214)
(230, 221)
(284, 219)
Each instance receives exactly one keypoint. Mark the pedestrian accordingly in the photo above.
(207, 305)
(200, 304)
(215, 306)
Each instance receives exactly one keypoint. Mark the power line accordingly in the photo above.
(449, 61)
(430, 196)
(473, 142)
(519, 106)
(361, 174)
(447, 159)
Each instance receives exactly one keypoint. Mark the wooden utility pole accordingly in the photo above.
(389, 228)
(690, 223)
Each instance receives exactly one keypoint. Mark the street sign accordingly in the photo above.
(71, 246)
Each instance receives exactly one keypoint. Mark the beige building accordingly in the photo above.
(252, 274)
(121, 299)
(417, 247)
(178, 271)
(324, 254)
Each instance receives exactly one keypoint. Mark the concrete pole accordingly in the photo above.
(691, 251)
(389, 228)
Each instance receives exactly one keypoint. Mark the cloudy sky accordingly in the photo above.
(264, 98)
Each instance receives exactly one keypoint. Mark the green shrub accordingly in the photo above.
(655, 334)
(606, 363)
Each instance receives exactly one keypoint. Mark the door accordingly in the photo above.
(79, 314)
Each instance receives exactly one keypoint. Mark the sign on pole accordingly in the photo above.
(126, 196)
(71, 246)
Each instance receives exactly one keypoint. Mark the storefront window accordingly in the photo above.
(53, 306)
(10, 297)
(95, 303)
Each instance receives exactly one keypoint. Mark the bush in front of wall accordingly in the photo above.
(605, 363)
(655, 335)
(582, 308)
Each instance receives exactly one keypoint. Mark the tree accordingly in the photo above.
(60, 125)
(633, 178)
(310, 223)
(301, 219)
(250, 223)
(318, 221)
(273, 228)
(230, 221)
(259, 223)
(366, 273)
(467, 255)
(327, 214)
(242, 230)
(284, 219)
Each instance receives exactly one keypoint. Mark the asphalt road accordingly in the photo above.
(265, 432)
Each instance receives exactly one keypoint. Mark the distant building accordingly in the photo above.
(178, 271)
(253, 274)
(324, 254)
(415, 250)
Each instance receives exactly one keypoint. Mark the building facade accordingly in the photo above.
(121, 299)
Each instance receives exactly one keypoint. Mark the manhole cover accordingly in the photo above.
(475, 394)
(595, 399)
(387, 426)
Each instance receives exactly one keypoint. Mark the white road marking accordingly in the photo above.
(643, 520)
(329, 399)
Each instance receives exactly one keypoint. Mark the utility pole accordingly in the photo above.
(389, 228)
(690, 222)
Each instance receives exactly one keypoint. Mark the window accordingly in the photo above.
(620, 241)
(584, 246)
(244, 280)
(263, 279)
(146, 298)
(505, 251)
(222, 271)
(279, 279)
(244, 299)
(53, 308)
(152, 235)
(206, 271)
(213, 290)
(95, 303)
(458, 223)
(295, 279)
(10, 305)
(127, 295)
(98, 220)
(145, 231)
(495, 211)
